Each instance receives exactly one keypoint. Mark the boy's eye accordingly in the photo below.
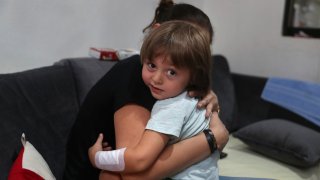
(172, 73)
(151, 65)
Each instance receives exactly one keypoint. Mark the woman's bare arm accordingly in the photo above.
(146, 152)
(181, 155)
(219, 130)
(136, 159)
(130, 122)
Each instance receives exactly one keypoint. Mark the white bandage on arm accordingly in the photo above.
(110, 160)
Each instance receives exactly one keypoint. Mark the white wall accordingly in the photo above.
(35, 33)
(248, 32)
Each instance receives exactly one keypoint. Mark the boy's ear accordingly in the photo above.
(155, 25)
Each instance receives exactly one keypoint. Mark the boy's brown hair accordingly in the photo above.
(187, 45)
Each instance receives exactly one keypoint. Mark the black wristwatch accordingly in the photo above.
(211, 140)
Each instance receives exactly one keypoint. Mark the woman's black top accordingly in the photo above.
(122, 85)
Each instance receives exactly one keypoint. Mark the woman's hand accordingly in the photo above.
(220, 132)
(209, 102)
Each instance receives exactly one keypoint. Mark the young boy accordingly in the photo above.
(176, 58)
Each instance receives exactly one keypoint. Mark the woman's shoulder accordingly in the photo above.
(132, 61)
(124, 69)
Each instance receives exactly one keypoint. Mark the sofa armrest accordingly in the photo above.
(252, 108)
(42, 103)
(222, 85)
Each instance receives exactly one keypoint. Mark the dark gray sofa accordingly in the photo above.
(43, 103)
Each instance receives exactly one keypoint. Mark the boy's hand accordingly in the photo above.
(98, 146)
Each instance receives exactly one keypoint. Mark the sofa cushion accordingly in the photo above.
(86, 71)
(283, 140)
(222, 85)
(41, 103)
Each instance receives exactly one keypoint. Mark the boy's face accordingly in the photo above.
(163, 78)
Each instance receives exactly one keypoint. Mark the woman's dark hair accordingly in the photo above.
(167, 10)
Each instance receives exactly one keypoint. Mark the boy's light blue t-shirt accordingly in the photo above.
(180, 118)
